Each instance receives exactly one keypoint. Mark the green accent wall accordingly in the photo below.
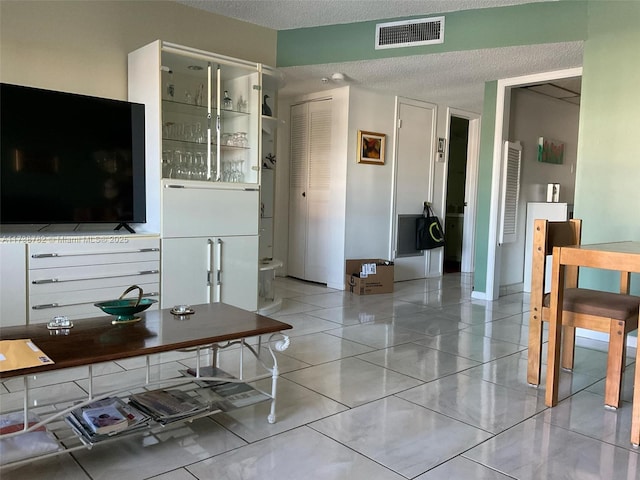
(528, 24)
(485, 172)
(608, 169)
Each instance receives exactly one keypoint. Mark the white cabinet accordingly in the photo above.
(45, 276)
(68, 277)
(210, 246)
(13, 284)
(205, 120)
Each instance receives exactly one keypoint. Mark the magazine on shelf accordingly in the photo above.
(79, 419)
(105, 419)
(166, 406)
(225, 395)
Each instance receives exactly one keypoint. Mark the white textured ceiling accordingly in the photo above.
(288, 14)
(455, 79)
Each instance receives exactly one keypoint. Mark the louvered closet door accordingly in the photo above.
(309, 190)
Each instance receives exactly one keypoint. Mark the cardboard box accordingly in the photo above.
(367, 276)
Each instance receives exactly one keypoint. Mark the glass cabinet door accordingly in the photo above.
(238, 104)
(210, 110)
(186, 118)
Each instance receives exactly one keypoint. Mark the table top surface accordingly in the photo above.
(620, 256)
(612, 247)
(94, 340)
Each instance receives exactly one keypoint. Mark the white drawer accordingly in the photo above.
(99, 252)
(77, 304)
(86, 277)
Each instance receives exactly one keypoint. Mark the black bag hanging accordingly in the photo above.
(428, 230)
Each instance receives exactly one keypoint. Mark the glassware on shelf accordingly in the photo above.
(242, 105)
(227, 103)
(199, 95)
(167, 163)
(240, 177)
(242, 140)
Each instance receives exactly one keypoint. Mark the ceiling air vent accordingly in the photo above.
(410, 33)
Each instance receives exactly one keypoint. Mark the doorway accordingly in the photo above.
(500, 134)
(455, 200)
(461, 185)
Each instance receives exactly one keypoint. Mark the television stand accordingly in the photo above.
(126, 226)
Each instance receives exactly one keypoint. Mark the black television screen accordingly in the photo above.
(68, 158)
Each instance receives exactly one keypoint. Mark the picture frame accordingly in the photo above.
(550, 151)
(371, 146)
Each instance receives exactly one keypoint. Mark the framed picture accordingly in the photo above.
(550, 151)
(371, 147)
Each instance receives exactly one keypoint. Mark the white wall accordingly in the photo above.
(82, 47)
(532, 116)
(361, 193)
(369, 187)
(337, 196)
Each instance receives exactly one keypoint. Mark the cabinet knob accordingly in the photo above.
(304, 194)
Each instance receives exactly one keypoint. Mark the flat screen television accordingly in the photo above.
(70, 159)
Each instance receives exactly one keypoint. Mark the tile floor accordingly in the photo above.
(423, 384)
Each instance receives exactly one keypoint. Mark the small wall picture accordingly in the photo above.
(371, 147)
(550, 151)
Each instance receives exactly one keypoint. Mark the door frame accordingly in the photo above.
(470, 187)
(501, 132)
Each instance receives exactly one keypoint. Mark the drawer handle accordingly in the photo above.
(79, 279)
(45, 306)
(81, 254)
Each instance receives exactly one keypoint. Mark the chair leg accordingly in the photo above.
(613, 382)
(568, 347)
(535, 351)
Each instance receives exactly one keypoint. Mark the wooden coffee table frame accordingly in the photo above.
(95, 340)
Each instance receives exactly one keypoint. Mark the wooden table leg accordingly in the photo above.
(635, 412)
(555, 330)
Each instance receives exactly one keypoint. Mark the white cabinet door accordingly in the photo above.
(238, 257)
(13, 284)
(186, 263)
(210, 269)
(191, 211)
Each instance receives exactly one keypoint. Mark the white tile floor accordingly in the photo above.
(420, 384)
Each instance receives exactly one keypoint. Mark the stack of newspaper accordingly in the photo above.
(225, 394)
(166, 406)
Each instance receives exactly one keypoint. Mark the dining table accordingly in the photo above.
(623, 257)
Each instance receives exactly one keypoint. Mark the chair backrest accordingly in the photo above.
(547, 235)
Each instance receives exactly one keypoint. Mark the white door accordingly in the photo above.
(415, 134)
(310, 176)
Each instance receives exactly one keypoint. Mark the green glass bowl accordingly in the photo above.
(126, 309)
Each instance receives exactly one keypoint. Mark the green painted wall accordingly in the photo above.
(533, 23)
(608, 169)
(483, 201)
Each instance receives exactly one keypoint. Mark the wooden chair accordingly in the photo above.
(613, 313)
